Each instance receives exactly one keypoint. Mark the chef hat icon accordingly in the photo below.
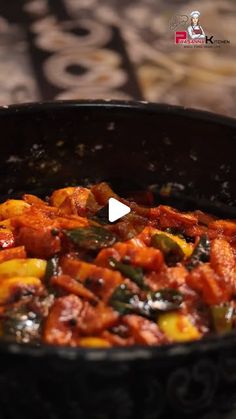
(195, 13)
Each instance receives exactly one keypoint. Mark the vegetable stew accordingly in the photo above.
(156, 276)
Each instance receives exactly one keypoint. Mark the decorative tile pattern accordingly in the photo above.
(78, 49)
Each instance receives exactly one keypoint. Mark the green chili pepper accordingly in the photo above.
(222, 316)
(165, 299)
(121, 300)
(171, 250)
(201, 253)
(131, 272)
(91, 238)
(126, 302)
(52, 269)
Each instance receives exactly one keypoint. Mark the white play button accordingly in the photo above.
(116, 210)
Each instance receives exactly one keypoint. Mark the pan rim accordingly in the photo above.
(143, 106)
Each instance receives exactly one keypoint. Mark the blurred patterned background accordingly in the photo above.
(119, 49)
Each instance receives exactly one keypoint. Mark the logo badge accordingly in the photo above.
(189, 32)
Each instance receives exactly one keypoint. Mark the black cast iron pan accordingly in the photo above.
(133, 146)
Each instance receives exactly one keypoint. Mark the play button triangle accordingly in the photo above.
(116, 210)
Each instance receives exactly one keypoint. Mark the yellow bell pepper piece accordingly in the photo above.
(23, 267)
(12, 208)
(94, 342)
(187, 248)
(178, 327)
(10, 287)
